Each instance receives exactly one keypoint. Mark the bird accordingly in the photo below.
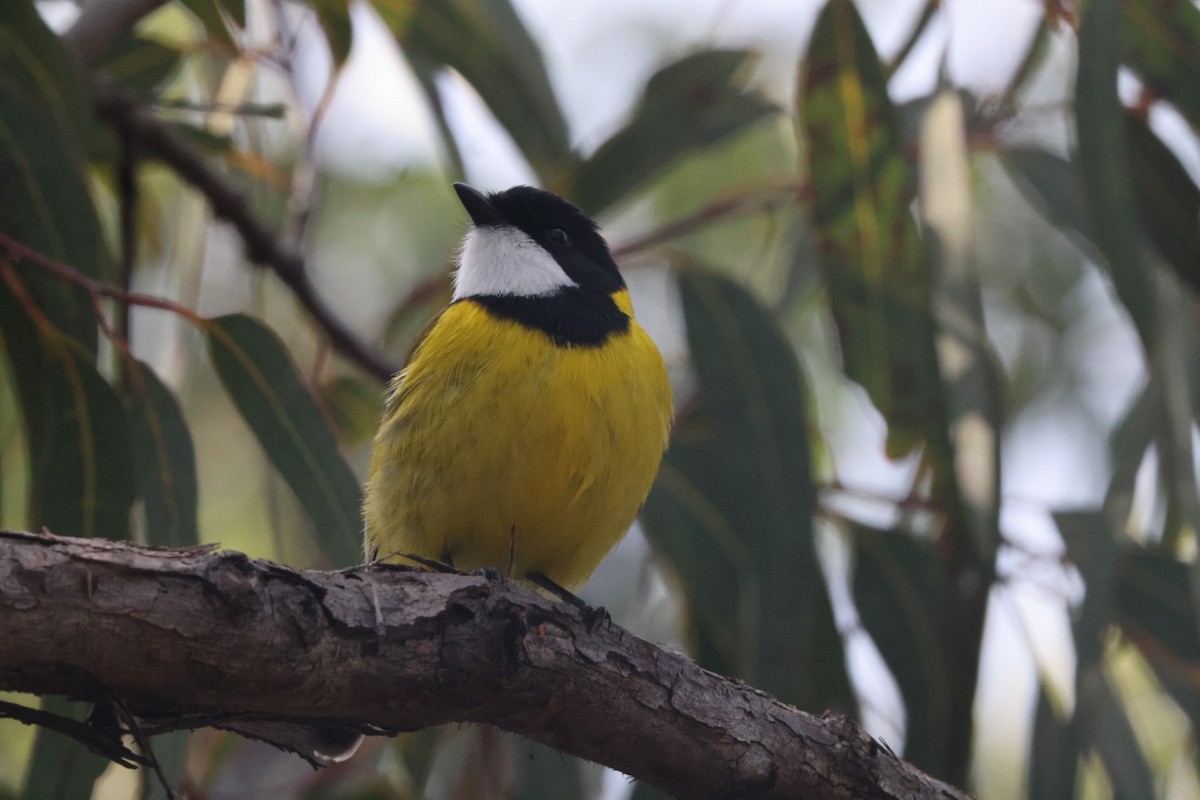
(526, 429)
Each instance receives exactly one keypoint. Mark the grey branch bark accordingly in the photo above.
(188, 637)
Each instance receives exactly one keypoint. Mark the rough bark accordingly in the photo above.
(187, 637)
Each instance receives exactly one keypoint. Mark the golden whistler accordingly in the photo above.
(528, 425)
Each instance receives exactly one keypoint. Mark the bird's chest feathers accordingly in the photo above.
(497, 379)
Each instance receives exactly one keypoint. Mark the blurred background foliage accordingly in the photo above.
(926, 296)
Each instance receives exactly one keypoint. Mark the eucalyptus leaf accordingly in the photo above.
(872, 259)
(1053, 753)
(731, 511)
(81, 466)
(212, 15)
(1158, 39)
(1155, 610)
(897, 590)
(686, 106)
(488, 45)
(139, 64)
(164, 460)
(261, 378)
(45, 201)
(1168, 199)
(1108, 189)
(334, 17)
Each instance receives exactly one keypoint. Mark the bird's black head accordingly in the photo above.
(523, 217)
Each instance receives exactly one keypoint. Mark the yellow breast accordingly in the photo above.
(496, 438)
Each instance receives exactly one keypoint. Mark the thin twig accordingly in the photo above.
(94, 287)
(127, 191)
(262, 244)
(741, 204)
(914, 36)
(85, 734)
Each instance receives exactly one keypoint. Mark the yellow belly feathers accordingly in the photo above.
(493, 432)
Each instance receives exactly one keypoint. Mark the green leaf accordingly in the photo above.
(1091, 543)
(44, 197)
(334, 17)
(1154, 608)
(211, 14)
(139, 64)
(1053, 185)
(1168, 200)
(1108, 190)
(81, 468)
(260, 376)
(487, 43)
(170, 751)
(685, 107)
(61, 768)
(1101, 720)
(1128, 443)
(164, 460)
(1053, 753)
(731, 510)
(897, 591)
(1158, 39)
(1114, 740)
(871, 255)
(354, 405)
(418, 750)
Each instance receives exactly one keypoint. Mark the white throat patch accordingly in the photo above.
(505, 261)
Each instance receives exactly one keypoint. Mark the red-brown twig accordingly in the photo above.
(757, 200)
(94, 287)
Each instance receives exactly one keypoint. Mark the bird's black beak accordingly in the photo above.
(477, 205)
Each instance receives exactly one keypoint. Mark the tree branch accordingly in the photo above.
(187, 635)
(98, 25)
(263, 246)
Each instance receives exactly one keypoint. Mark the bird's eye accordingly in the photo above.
(558, 236)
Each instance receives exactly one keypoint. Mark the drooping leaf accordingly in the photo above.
(1155, 610)
(1168, 199)
(61, 768)
(1054, 186)
(212, 15)
(1158, 39)
(334, 17)
(731, 510)
(1092, 546)
(1108, 190)
(139, 64)
(686, 106)
(164, 460)
(1114, 740)
(259, 374)
(170, 751)
(1053, 753)
(1100, 721)
(897, 590)
(871, 256)
(1128, 443)
(487, 44)
(81, 467)
(44, 198)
